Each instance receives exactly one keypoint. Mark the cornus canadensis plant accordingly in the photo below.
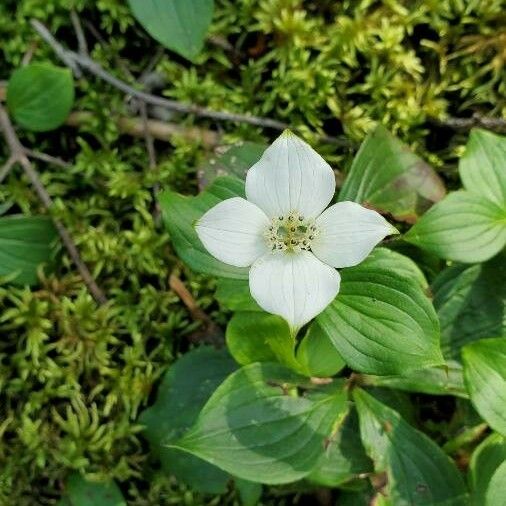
(285, 233)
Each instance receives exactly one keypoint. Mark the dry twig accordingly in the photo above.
(19, 154)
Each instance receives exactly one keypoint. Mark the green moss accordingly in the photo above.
(73, 377)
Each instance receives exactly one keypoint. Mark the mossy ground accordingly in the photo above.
(73, 377)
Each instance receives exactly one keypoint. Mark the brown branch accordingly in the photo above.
(81, 39)
(75, 60)
(7, 167)
(44, 157)
(158, 129)
(495, 124)
(19, 153)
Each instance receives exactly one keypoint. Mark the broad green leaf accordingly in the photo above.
(258, 428)
(463, 227)
(486, 458)
(442, 380)
(485, 377)
(249, 492)
(40, 96)
(180, 214)
(482, 168)
(179, 25)
(381, 322)
(25, 243)
(234, 294)
(234, 162)
(260, 337)
(419, 472)
(184, 390)
(495, 491)
(344, 458)
(387, 176)
(81, 492)
(317, 355)
(471, 303)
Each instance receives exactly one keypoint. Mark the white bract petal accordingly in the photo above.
(347, 233)
(290, 176)
(233, 232)
(295, 286)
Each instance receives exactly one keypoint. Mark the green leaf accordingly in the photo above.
(443, 380)
(482, 168)
(81, 492)
(40, 96)
(382, 322)
(471, 303)
(387, 176)
(184, 390)
(234, 162)
(256, 427)
(345, 458)
(486, 458)
(180, 214)
(317, 355)
(25, 243)
(485, 377)
(463, 227)
(495, 491)
(178, 25)
(249, 492)
(419, 472)
(234, 294)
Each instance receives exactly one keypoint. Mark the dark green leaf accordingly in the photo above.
(178, 25)
(487, 457)
(256, 427)
(25, 243)
(249, 492)
(185, 388)
(344, 458)
(463, 227)
(419, 473)
(234, 162)
(234, 294)
(387, 176)
(485, 377)
(382, 322)
(40, 96)
(483, 166)
(180, 214)
(81, 492)
(471, 303)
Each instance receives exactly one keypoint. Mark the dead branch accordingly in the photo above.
(18, 152)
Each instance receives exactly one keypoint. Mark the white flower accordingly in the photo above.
(285, 234)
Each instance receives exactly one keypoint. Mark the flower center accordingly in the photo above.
(291, 232)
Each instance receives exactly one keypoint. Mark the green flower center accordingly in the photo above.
(291, 232)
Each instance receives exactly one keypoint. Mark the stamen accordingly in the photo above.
(291, 233)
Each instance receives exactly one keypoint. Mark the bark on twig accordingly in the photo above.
(18, 152)
(44, 157)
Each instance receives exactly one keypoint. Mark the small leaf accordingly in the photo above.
(256, 427)
(317, 355)
(184, 390)
(495, 491)
(485, 377)
(482, 168)
(249, 492)
(179, 25)
(388, 177)
(463, 227)
(486, 458)
(345, 458)
(180, 214)
(234, 162)
(471, 303)
(382, 322)
(419, 472)
(25, 243)
(81, 492)
(40, 96)
(443, 380)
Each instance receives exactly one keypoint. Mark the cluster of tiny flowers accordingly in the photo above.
(291, 233)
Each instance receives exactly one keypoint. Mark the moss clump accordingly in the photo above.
(73, 376)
